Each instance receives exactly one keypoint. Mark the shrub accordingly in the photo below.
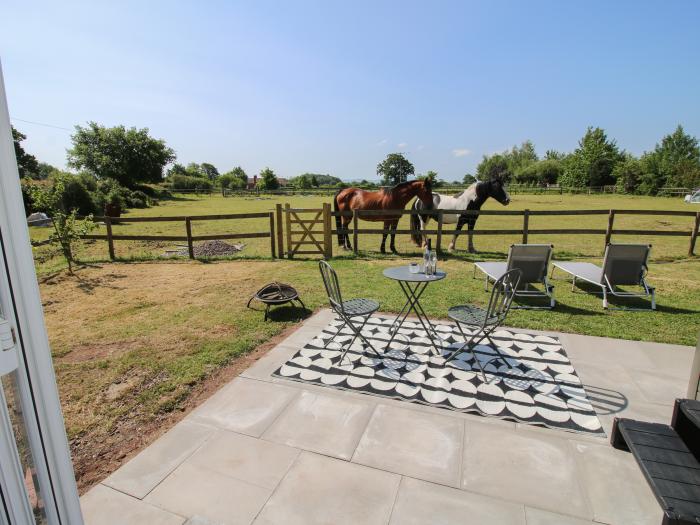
(75, 195)
(184, 182)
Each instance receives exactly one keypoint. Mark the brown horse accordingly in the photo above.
(394, 198)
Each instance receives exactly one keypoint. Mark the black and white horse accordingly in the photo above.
(470, 199)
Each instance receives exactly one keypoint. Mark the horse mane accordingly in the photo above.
(398, 186)
(461, 193)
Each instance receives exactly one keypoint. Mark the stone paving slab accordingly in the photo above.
(419, 503)
(324, 423)
(244, 405)
(322, 490)
(106, 506)
(616, 487)
(424, 446)
(195, 491)
(533, 469)
(140, 475)
(236, 458)
(245, 458)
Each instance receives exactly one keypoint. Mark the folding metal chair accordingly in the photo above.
(533, 261)
(347, 310)
(486, 320)
(623, 264)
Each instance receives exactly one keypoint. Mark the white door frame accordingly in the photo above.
(22, 307)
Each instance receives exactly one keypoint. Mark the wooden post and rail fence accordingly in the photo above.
(310, 231)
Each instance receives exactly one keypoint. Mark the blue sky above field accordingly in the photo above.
(332, 87)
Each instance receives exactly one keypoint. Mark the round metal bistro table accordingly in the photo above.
(413, 285)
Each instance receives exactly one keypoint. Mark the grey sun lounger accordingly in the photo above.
(533, 261)
(623, 265)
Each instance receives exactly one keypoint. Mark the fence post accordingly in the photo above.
(354, 230)
(280, 232)
(694, 234)
(608, 231)
(438, 241)
(110, 241)
(327, 235)
(288, 217)
(188, 229)
(272, 234)
(526, 225)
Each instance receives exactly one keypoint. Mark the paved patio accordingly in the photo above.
(265, 450)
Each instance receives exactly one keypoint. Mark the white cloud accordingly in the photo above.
(401, 145)
(461, 152)
(419, 148)
(382, 142)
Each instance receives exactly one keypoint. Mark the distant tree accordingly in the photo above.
(234, 179)
(540, 173)
(592, 163)
(303, 182)
(493, 166)
(468, 179)
(674, 162)
(27, 165)
(177, 169)
(210, 171)
(551, 154)
(520, 157)
(321, 180)
(628, 174)
(395, 169)
(129, 156)
(314, 181)
(45, 171)
(268, 180)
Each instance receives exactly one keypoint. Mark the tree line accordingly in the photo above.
(599, 161)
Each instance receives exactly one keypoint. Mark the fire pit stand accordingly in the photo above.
(276, 294)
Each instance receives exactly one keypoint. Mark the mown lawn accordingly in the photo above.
(665, 248)
(135, 341)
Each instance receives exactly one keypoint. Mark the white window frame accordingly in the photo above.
(37, 382)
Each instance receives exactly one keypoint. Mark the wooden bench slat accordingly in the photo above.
(660, 455)
(677, 490)
(672, 471)
(661, 441)
(684, 474)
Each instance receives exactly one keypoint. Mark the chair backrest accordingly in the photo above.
(502, 296)
(531, 259)
(625, 263)
(330, 281)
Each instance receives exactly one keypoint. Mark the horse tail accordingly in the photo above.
(415, 225)
(338, 223)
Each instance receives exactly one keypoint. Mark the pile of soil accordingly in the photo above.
(210, 249)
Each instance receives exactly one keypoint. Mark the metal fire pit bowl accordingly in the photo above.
(276, 294)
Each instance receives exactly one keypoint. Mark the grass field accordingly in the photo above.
(136, 342)
(665, 248)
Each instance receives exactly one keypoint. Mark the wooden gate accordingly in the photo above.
(308, 230)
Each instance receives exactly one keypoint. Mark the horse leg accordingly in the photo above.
(382, 248)
(470, 235)
(394, 226)
(346, 236)
(460, 224)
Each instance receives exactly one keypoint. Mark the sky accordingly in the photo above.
(333, 87)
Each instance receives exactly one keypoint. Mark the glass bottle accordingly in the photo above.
(426, 259)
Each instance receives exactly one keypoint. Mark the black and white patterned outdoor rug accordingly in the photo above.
(537, 386)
